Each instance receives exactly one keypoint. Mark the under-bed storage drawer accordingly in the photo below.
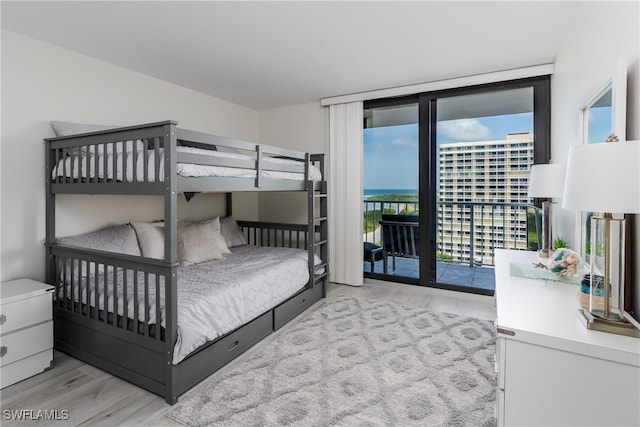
(216, 355)
(296, 305)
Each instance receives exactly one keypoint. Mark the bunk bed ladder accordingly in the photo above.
(318, 228)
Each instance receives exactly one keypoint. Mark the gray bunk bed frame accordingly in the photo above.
(129, 348)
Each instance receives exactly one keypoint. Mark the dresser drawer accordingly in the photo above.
(25, 312)
(25, 368)
(25, 342)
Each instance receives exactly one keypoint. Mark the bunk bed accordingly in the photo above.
(122, 311)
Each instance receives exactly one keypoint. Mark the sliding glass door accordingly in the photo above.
(391, 188)
(467, 154)
(483, 154)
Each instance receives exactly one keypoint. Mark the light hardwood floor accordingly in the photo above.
(95, 398)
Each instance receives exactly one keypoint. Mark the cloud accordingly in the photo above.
(395, 144)
(405, 142)
(464, 129)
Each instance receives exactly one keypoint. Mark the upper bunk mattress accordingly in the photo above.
(84, 166)
(215, 297)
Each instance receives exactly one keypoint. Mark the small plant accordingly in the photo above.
(443, 256)
(559, 242)
(599, 248)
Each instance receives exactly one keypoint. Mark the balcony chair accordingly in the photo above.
(373, 253)
(400, 236)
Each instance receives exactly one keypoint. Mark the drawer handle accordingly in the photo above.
(506, 332)
(3, 319)
(233, 345)
(3, 350)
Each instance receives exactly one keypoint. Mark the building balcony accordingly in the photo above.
(480, 278)
(466, 238)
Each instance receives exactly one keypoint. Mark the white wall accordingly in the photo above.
(301, 128)
(40, 83)
(603, 33)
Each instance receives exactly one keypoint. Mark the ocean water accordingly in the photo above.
(377, 191)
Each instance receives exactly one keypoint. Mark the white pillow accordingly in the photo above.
(224, 149)
(70, 128)
(196, 243)
(232, 232)
(150, 238)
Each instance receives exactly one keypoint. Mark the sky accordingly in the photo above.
(391, 153)
(599, 124)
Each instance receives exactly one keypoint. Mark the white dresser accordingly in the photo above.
(26, 330)
(552, 371)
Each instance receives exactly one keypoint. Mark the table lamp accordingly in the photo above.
(546, 181)
(605, 179)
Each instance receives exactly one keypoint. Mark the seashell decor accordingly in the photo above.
(564, 262)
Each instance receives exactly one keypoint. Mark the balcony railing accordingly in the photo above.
(466, 232)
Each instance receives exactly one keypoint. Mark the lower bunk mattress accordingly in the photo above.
(214, 298)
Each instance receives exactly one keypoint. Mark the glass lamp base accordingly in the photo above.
(612, 317)
(597, 322)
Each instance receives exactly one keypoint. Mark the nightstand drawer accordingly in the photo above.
(26, 342)
(25, 368)
(25, 312)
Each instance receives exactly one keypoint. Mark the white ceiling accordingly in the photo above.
(273, 54)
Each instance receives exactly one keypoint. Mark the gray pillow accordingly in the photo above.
(120, 239)
(232, 232)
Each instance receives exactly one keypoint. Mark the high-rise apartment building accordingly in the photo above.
(482, 192)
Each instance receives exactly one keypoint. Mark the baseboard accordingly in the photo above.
(485, 299)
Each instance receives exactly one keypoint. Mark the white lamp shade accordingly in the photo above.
(603, 178)
(546, 180)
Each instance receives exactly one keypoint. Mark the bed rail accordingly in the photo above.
(140, 159)
(124, 160)
(91, 283)
(116, 311)
(290, 236)
(274, 234)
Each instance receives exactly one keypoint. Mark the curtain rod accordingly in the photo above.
(512, 74)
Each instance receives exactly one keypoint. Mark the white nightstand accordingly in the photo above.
(26, 330)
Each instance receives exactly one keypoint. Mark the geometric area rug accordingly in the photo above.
(357, 362)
